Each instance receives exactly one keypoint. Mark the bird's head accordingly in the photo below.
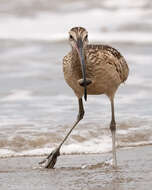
(78, 37)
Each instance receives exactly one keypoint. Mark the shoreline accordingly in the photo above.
(80, 172)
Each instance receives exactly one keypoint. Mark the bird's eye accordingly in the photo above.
(86, 36)
(71, 37)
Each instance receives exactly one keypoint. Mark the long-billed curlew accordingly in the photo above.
(91, 69)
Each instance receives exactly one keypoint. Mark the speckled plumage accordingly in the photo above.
(105, 69)
(91, 69)
(105, 66)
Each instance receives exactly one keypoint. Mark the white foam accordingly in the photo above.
(132, 98)
(6, 153)
(122, 132)
(35, 152)
(93, 146)
(90, 147)
(17, 95)
(54, 26)
(141, 143)
(124, 3)
(125, 37)
(139, 59)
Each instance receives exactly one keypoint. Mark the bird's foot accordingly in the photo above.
(50, 161)
(110, 162)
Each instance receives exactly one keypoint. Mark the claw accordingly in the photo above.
(50, 161)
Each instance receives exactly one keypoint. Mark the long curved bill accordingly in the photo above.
(83, 66)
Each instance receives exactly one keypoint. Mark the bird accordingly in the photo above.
(91, 69)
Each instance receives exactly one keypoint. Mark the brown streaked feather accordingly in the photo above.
(120, 65)
(105, 67)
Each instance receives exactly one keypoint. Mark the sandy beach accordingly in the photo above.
(77, 172)
(38, 108)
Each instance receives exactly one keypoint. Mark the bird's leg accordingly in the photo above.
(52, 157)
(79, 117)
(113, 132)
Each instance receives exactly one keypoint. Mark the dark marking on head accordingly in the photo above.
(79, 30)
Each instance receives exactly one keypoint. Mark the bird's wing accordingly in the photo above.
(97, 53)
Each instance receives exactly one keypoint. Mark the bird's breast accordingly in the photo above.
(99, 69)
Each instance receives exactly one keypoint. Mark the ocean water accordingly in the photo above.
(37, 106)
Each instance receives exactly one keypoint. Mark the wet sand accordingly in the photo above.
(77, 172)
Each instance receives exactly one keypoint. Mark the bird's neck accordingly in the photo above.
(75, 54)
(75, 58)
